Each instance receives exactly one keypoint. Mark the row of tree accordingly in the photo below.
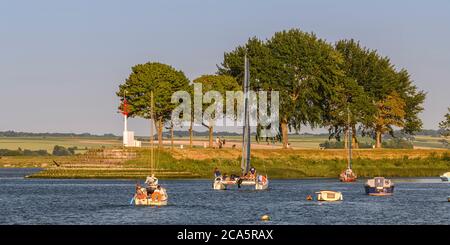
(320, 84)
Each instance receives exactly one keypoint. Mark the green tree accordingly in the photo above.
(380, 81)
(303, 68)
(444, 127)
(221, 84)
(163, 80)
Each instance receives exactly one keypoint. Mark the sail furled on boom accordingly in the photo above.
(245, 163)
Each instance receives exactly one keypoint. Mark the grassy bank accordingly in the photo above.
(278, 164)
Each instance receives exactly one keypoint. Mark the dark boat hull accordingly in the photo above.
(373, 191)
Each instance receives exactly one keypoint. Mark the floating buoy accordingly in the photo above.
(309, 198)
(265, 217)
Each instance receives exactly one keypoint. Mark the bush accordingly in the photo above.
(332, 145)
(62, 151)
(340, 145)
(397, 143)
(20, 152)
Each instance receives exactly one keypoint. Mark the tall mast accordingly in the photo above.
(245, 163)
(151, 133)
(349, 140)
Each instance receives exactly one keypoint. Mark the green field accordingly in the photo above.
(304, 160)
(82, 143)
(38, 143)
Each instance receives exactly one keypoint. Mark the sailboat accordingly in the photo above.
(249, 177)
(152, 194)
(348, 175)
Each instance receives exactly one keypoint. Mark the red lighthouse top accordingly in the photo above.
(125, 107)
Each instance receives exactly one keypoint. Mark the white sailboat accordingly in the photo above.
(153, 194)
(348, 175)
(249, 176)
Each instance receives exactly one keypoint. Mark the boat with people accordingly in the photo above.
(152, 194)
(329, 196)
(348, 175)
(379, 186)
(249, 176)
(445, 177)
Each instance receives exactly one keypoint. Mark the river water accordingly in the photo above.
(41, 201)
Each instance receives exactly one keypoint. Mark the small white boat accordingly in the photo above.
(329, 196)
(445, 177)
(157, 198)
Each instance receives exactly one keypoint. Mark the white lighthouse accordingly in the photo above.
(128, 136)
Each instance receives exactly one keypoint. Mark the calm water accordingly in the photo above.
(32, 201)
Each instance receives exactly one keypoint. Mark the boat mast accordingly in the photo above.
(349, 140)
(151, 133)
(245, 163)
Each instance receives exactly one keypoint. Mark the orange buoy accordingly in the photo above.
(309, 198)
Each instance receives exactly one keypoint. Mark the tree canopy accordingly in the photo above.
(161, 79)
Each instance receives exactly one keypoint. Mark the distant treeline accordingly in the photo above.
(185, 133)
(27, 134)
(57, 151)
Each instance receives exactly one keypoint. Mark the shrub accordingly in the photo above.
(398, 143)
(61, 151)
(340, 145)
(20, 152)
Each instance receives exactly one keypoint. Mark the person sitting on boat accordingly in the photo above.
(225, 177)
(217, 173)
(141, 193)
(157, 195)
(252, 173)
(151, 180)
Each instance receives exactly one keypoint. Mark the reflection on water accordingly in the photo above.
(34, 201)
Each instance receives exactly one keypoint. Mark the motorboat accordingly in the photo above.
(329, 196)
(379, 186)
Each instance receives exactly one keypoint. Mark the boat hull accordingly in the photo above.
(347, 180)
(149, 202)
(220, 184)
(329, 196)
(374, 191)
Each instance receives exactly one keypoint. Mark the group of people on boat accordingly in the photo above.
(152, 189)
(251, 175)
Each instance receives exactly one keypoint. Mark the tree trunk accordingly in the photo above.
(211, 136)
(355, 143)
(378, 139)
(160, 133)
(284, 133)
(171, 136)
(190, 135)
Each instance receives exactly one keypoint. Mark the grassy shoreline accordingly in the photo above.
(278, 164)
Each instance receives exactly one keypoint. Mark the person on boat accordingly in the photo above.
(225, 177)
(252, 173)
(157, 194)
(141, 193)
(217, 173)
(151, 180)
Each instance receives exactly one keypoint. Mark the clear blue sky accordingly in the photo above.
(62, 61)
